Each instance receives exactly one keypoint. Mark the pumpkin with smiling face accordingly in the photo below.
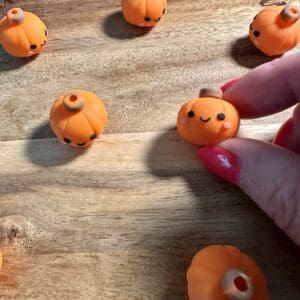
(276, 29)
(78, 118)
(143, 13)
(22, 34)
(207, 120)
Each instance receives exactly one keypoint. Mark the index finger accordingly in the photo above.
(267, 89)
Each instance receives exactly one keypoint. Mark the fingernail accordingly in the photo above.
(229, 85)
(221, 162)
(282, 137)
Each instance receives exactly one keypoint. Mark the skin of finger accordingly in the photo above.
(288, 135)
(267, 89)
(270, 176)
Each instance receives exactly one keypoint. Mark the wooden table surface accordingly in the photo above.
(123, 219)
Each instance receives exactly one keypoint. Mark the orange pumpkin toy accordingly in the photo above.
(225, 273)
(1, 260)
(276, 30)
(207, 120)
(78, 117)
(143, 13)
(22, 33)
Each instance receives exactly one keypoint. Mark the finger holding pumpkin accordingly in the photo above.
(276, 29)
(143, 13)
(22, 34)
(78, 118)
(207, 120)
(225, 273)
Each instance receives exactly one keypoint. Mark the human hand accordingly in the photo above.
(268, 173)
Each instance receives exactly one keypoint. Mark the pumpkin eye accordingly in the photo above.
(80, 144)
(191, 114)
(147, 19)
(67, 140)
(221, 116)
(46, 32)
(256, 33)
(164, 11)
(33, 46)
(93, 136)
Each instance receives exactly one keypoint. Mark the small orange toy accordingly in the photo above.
(22, 33)
(78, 117)
(225, 273)
(276, 29)
(207, 120)
(143, 13)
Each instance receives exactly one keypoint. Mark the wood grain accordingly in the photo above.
(123, 219)
(143, 77)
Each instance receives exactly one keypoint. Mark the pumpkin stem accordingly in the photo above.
(237, 285)
(290, 14)
(209, 92)
(73, 102)
(15, 15)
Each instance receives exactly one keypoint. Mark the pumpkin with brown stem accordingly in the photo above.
(78, 118)
(276, 30)
(22, 34)
(207, 120)
(225, 273)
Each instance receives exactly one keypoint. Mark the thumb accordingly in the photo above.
(267, 173)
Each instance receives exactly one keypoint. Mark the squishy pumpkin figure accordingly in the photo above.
(276, 29)
(143, 13)
(78, 118)
(225, 273)
(207, 120)
(22, 33)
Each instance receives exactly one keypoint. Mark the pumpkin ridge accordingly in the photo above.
(223, 106)
(228, 255)
(29, 42)
(283, 42)
(267, 27)
(145, 7)
(88, 120)
(190, 130)
(67, 123)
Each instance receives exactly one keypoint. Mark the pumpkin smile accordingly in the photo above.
(205, 120)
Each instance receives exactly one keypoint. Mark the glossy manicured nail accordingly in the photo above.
(221, 162)
(283, 135)
(229, 84)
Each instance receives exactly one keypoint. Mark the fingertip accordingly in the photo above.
(267, 89)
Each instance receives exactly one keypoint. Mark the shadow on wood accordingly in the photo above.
(8, 62)
(219, 214)
(245, 54)
(59, 154)
(116, 27)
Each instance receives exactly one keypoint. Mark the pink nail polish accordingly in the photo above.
(221, 162)
(229, 84)
(284, 134)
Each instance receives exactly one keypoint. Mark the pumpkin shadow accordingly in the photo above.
(8, 62)
(115, 26)
(52, 153)
(245, 54)
(210, 217)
